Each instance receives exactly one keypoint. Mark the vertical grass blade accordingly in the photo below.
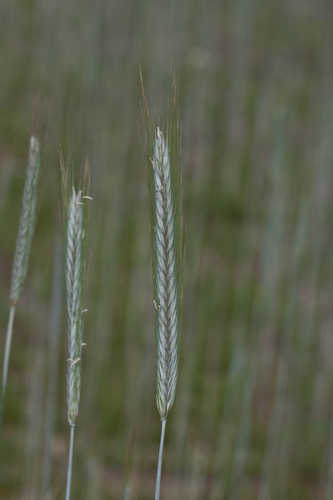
(52, 364)
(22, 252)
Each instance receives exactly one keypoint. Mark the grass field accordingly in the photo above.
(252, 417)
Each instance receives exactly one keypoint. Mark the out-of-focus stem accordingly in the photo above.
(6, 357)
(52, 365)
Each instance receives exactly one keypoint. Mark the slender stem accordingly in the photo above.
(6, 357)
(160, 460)
(70, 461)
(127, 492)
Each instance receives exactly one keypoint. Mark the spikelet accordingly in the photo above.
(27, 222)
(166, 291)
(74, 308)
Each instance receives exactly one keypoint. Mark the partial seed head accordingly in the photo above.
(27, 222)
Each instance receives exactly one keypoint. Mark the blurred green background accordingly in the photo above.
(253, 411)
